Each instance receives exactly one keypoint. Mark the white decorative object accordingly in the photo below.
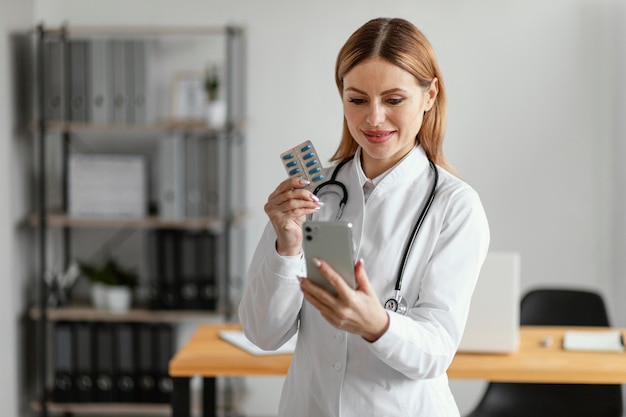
(109, 186)
(119, 298)
(216, 113)
(99, 296)
(187, 97)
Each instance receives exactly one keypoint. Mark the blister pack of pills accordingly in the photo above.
(302, 161)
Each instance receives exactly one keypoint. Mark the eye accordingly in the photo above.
(355, 100)
(395, 101)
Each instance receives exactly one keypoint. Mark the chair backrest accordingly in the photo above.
(555, 307)
(563, 307)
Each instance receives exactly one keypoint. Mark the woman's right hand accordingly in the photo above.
(287, 208)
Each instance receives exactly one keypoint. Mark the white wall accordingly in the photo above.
(12, 209)
(532, 124)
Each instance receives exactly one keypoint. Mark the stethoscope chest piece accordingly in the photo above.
(396, 303)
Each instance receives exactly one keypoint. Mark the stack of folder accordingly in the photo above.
(112, 362)
(107, 81)
(185, 269)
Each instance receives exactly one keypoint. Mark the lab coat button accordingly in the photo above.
(337, 366)
(339, 337)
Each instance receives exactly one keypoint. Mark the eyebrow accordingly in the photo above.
(391, 90)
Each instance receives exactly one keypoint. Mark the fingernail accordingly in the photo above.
(304, 181)
(317, 262)
(314, 197)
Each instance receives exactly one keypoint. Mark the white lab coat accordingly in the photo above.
(335, 373)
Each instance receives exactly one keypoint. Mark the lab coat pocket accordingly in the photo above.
(388, 400)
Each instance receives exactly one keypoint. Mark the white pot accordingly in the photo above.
(99, 296)
(216, 113)
(119, 298)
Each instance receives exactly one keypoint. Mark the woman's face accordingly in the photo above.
(384, 107)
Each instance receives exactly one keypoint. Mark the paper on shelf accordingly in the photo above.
(610, 340)
(237, 338)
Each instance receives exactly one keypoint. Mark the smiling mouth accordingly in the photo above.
(378, 136)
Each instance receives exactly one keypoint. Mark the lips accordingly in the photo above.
(378, 136)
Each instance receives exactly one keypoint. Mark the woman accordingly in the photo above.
(353, 357)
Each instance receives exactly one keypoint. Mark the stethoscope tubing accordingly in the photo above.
(416, 228)
(418, 224)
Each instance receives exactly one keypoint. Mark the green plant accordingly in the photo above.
(212, 83)
(109, 273)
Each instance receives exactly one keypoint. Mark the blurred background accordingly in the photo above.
(537, 103)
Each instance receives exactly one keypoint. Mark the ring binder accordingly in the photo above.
(84, 375)
(64, 369)
(104, 384)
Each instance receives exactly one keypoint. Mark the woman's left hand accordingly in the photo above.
(357, 311)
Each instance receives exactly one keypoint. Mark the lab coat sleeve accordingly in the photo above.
(272, 297)
(423, 343)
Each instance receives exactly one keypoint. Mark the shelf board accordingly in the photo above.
(107, 408)
(212, 224)
(115, 30)
(197, 126)
(139, 315)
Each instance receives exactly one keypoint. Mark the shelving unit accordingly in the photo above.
(170, 51)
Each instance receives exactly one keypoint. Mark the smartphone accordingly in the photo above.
(331, 242)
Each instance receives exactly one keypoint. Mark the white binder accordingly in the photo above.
(171, 178)
(205, 164)
(138, 87)
(100, 103)
(54, 81)
(119, 72)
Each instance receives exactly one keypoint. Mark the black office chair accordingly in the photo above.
(556, 307)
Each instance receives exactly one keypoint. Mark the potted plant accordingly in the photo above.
(216, 106)
(112, 285)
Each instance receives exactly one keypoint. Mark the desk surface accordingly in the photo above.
(207, 355)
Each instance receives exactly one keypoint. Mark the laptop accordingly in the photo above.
(493, 321)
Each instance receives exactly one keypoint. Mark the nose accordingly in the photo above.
(376, 114)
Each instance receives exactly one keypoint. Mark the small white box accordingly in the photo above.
(107, 186)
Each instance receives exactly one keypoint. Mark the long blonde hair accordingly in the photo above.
(402, 44)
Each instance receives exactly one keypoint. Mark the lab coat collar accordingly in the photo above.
(406, 169)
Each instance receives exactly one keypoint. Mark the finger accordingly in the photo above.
(319, 295)
(323, 301)
(291, 184)
(292, 203)
(339, 284)
(361, 278)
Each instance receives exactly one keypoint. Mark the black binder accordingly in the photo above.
(64, 369)
(83, 376)
(211, 264)
(199, 285)
(105, 386)
(189, 251)
(166, 269)
(146, 372)
(164, 342)
(125, 375)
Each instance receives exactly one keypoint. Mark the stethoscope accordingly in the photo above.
(396, 302)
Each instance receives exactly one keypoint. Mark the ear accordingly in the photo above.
(431, 94)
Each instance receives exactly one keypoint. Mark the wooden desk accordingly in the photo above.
(207, 355)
